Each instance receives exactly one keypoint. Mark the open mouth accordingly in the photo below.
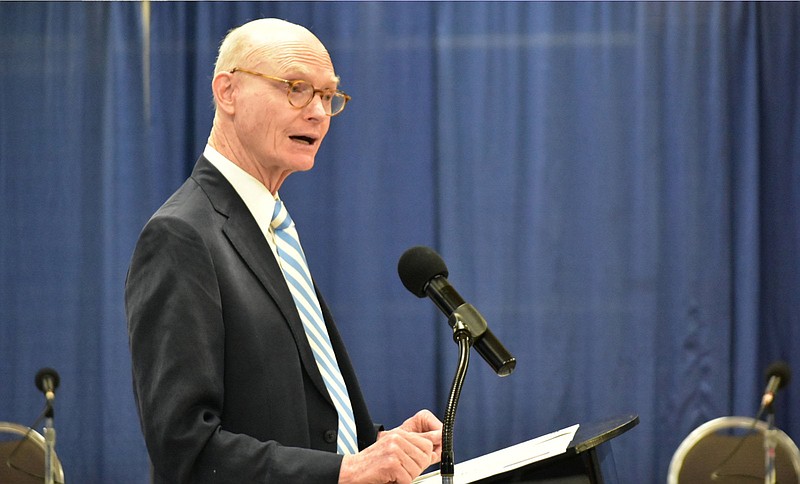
(306, 140)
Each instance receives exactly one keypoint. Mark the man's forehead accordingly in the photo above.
(298, 60)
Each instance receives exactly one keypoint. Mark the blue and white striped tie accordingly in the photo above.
(295, 270)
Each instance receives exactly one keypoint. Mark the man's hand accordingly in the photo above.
(426, 424)
(399, 455)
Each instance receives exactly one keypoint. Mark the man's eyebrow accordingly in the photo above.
(300, 71)
(297, 74)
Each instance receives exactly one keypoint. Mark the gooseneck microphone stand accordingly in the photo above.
(47, 380)
(770, 474)
(462, 336)
(424, 273)
(49, 444)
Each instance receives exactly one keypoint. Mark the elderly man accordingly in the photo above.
(239, 372)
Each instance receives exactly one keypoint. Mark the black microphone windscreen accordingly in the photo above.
(417, 266)
(45, 373)
(781, 370)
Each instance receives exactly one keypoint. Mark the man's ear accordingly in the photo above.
(222, 87)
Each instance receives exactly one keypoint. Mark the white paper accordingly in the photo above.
(507, 459)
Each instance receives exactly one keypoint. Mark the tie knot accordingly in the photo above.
(280, 217)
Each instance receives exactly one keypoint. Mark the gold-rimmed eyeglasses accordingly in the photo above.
(300, 93)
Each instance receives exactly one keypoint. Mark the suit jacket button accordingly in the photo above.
(330, 436)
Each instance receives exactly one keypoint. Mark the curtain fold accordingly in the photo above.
(615, 186)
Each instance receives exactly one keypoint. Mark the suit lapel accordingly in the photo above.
(246, 238)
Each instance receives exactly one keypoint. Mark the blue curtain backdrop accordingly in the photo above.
(616, 186)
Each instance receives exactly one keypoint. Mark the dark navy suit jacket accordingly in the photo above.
(225, 381)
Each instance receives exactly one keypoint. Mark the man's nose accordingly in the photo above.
(317, 107)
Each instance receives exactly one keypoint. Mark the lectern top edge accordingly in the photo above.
(594, 434)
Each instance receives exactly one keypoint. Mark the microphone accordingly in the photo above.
(47, 381)
(778, 375)
(424, 273)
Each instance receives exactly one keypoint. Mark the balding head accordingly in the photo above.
(270, 40)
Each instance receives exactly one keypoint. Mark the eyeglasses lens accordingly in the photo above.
(301, 94)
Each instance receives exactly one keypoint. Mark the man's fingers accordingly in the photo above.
(398, 456)
(413, 451)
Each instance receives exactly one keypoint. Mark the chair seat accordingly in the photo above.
(22, 452)
(733, 448)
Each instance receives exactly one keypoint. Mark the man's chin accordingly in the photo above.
(298, 159)
(303, 164)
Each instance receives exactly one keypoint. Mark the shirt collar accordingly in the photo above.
(258, 199)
